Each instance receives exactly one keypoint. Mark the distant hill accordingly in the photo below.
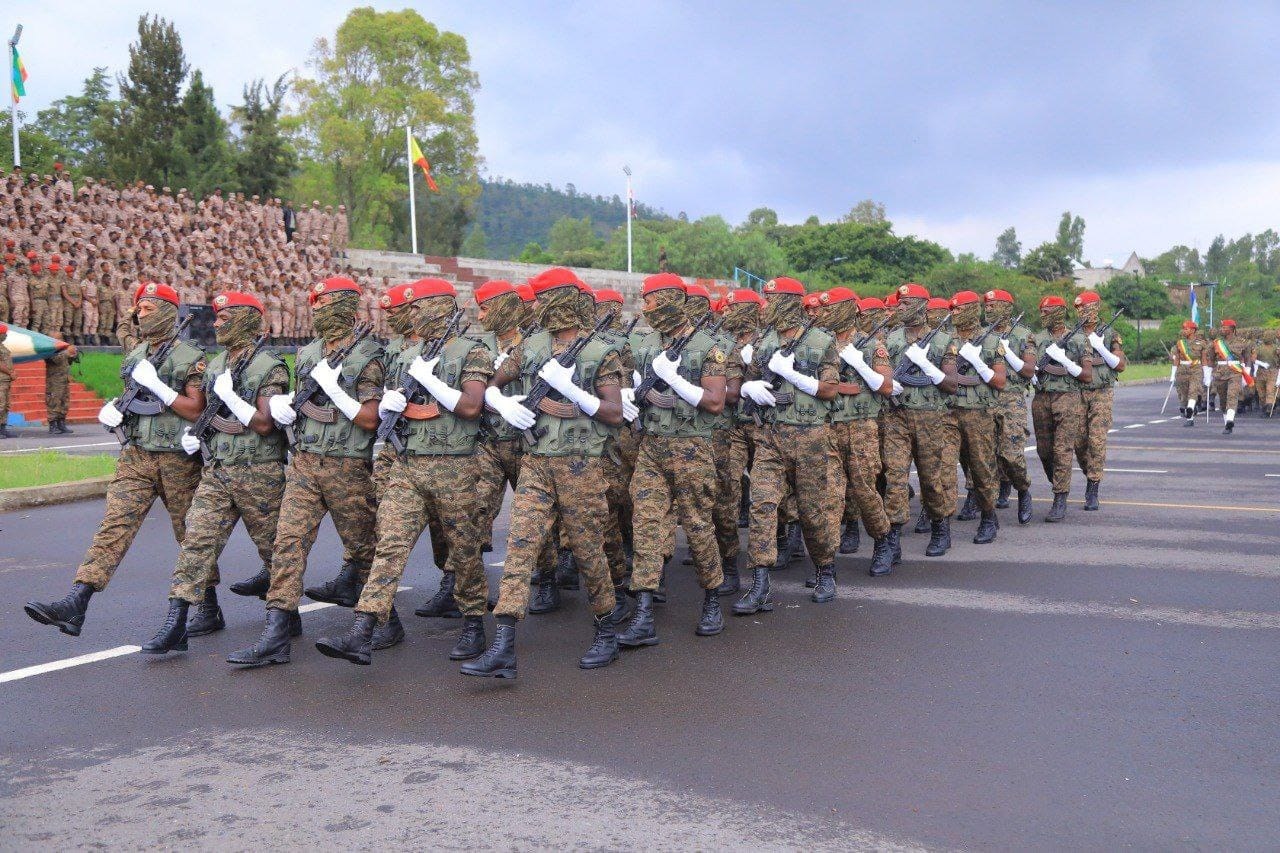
(513, 215)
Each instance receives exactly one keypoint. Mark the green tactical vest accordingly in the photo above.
(804, 410)
(982, 395)
(1076, 349)
(929, 398)
(447, 435)
(495, 427)
(1017, 338)
(342, 437)
(865, 404)
(161, 433)
(1103, 375)
(246, 448)
(683, 420)
(727, 344)
(580, 436)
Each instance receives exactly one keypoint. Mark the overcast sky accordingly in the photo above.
(1156, 122)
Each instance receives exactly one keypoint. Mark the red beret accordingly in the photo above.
(56, 258)
(54, 267)
(553, 278)
(35, 268)
(735, 297)
(490, 289)
(57, 167)
(782, 284)
(964, 297)
(237, 299)
(1053, 302)
(9, 242)
(31, 255)
(719, 305)
(812, 300)
(1189, 324)
(526, 292)
(583, 287)
(337, 284)
(1089, 297)
(4, 330)
(937, 303)
(10, 257)
(698, 290)
(606, 294)
(998, 296)
(1228, 324)
(155, 290)
(911, 290)
(662, 281)
(871, 304)
(891, 301)
(836, 295)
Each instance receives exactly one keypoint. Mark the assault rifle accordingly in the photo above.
(214, 408)
(651, 379)
(749, 406)
(965, 367)
(132, 401)
(542, 388)
(388, 427)
(866, 339)
(309, 388)
(906, 372)
(1045, 360)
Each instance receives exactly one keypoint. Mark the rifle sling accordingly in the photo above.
(556, 409)
(147, 407)
(968, 381)
(421, 411)
(659, 400)
(322, 414)
(227, 426)
(1055, 369)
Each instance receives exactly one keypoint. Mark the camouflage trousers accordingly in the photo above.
(724, 515)
(977, 428)
(628, 448)
(57, 385)
(382, 464)
(421, 487)
(1265, 386)
(1187, 382)
(315, 486)
(1011, 437)
(227, 494)
(572, 487)
(616, 497)
(729, 476)
(1226, 387)
(677, 473)
(931, 439)
(21, 311)
(4, 399)
(53, 318)
(856, 445)
(498, 464)
(72, 320)
(1057, 417)
(800, 457)
(106, 321)
(141, 477)
(38, 315)
(1091, 445)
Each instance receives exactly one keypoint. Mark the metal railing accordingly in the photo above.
(743, 278)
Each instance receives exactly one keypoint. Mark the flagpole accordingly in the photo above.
(413, 204)
(627, 169)
(13, 106)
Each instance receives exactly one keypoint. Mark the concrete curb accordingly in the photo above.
(1155, 381)
(55, 493)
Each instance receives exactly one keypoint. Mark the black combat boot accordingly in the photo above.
(922, 521)
(640, 632)
(939, 538)
(295, 623)
(499, 660)
(895, 537)
(1058, 511)
(1002, 502)
(172, 636)
(1190, 417)
(790, 543)
(969, 511)
(882, 555)
(621, 605)
(826, 589)
(441, 605)
(53, 426)
(1024, 506)
(757, 598)
(732, 584)
(850, 539)
(67, 613)
(711, 621)
(273, 646)
(660, 594)
(356, 646)
(4, 432)
(546, 595)
(604, 647)
(256, 585)
(208, 615)
(812, 580)
(343, 590)
(1091, 488)
(567, 570)
(986, 529)
(471, 642)
(388, 634)
(1226, 430)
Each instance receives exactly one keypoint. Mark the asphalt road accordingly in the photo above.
(1104, 683)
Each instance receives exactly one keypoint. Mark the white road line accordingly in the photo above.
(67, 663)
(1271, 475)
(1134, 426)
(60, 447)
(1162, 420)
(1128, 470)
(1111, 431)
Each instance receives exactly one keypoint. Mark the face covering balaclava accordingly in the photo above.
(334, 321)
(586, 309)
(912, 311)
(868, 320)
(841, 317)
(240, 325)
(1089, 313)
(159, 325)
(502, 313)
(558, 309)
(966, 316)
(401, 320)
(695, 307)
(998, 311)
(433, 316)
(614, 311)
(667, 314)
(783, 311)
(1053, 316)
(742, 318)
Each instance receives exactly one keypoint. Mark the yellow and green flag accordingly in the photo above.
(19, 76)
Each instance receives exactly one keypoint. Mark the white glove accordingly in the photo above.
(759, 392)
(189, 442)
(509, 408)
(1206, 373)
(144, 373)
(897, 388)
(241, 410)
(281, 408)
(668, 371)
(785, 366)
(1260, 365)
(919, 356)
(560, 378)
(393, 400)
(109, 416)
(327, 378)
(424, 372)
(1059, 355)
(1173, 373)
(853, 357)
(1015, 361)
(636, 379)
(972, 354)
(630, 411)
(1100, 347)
(748, 353)
(501, 357)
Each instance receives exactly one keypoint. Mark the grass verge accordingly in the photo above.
(1135, 372)
(48, 466)
(100, 372)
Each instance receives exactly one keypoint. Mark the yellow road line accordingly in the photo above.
(1275, 509)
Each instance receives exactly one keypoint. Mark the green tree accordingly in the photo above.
(866, 212)
(384, 70)
(868, 256)
(139, 135)
(534, 254)
(204, 161)
(264, 158)
(761, 217)
(39, 150)
(1071, 236)
(1141, 298)
(1215, 260)
(1008, 253)
(70, 123)
(475, 245)
(1047, 262)
(572, 235)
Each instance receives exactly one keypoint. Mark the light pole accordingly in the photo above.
(13, 105)
(630, 202)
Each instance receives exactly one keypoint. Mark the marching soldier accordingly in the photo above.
(152, 463)
(1187, 357)
(6, 378)
(1057, 410)
(1266, 358)
(330, 471)
(1097, 396)
(1224, 372)
(1018, 349)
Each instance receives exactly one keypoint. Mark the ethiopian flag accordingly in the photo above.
(26, 345)
(19, 77)
(420, 160)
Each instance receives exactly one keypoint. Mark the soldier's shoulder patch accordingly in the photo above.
(717, 356)
(199, 366)
(1117, 341)
(881, 352)
(1000, 349)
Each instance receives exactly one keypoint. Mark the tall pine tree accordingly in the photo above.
(264, 158)
(143, 129)
(204, 161)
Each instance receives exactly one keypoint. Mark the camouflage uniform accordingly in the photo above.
(1226, 381)
(1268, 352)
(38, 294)
(1011, 410)
(1188, 355)
(57, 386)
(855, 438)
(974, 407)
(1057, 413)
(6, 378)
(54, 305)
(1097, 397)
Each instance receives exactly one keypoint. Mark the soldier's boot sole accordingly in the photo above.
(180, 646)
(638, 642)
(753, 608)
(505, 672)
(253, 663)
(358, 658)
(38, 612)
